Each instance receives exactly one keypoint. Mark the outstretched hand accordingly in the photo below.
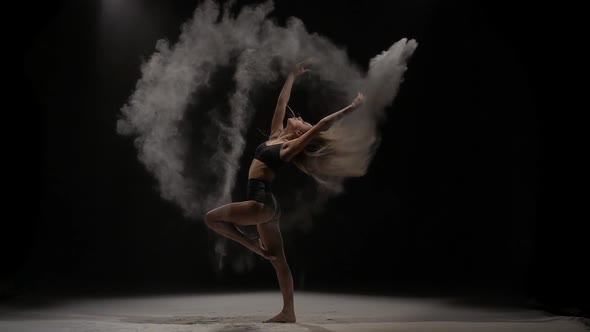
(259, 248)
(301, 68)
(359, 100)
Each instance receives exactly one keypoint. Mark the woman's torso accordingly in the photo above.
(260, 170)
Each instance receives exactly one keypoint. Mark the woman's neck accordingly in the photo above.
(286, 136)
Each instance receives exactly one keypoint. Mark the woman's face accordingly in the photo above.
(298, 125)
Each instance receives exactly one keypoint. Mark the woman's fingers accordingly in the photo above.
(306, 62)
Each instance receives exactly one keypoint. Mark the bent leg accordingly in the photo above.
(240, 213)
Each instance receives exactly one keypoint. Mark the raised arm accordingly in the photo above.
(297, 145)
(330, 119)
(277, 119)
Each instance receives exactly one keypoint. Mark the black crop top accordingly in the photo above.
(270, 156)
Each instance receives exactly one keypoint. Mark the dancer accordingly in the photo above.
(255, 222)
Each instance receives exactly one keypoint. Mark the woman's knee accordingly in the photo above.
(280, 262)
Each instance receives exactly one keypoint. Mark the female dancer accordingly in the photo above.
(261, 207)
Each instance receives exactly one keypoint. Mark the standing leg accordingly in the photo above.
(270, 234)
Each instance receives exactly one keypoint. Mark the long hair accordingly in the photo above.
(341, 151)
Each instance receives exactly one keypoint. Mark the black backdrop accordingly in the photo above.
(462, 193)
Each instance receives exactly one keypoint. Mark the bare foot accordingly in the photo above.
(282, 317)
(258, 248)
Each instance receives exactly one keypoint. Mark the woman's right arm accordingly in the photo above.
(278, 116)
(297, 145)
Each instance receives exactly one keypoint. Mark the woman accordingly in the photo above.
(260, 208)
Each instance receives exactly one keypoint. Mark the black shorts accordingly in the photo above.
(260, 190)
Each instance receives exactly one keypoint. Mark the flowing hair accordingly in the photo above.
(339, 152)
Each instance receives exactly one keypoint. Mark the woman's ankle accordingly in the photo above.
(288, 309)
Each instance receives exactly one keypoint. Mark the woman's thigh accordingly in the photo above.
(242, 213)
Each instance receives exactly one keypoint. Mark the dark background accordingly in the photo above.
(462, 195)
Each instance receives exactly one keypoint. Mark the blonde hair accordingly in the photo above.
(341, 151)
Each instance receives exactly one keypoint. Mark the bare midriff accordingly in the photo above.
(259, 170)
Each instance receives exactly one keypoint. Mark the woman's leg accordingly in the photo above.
(270, 234)
(240, 213)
